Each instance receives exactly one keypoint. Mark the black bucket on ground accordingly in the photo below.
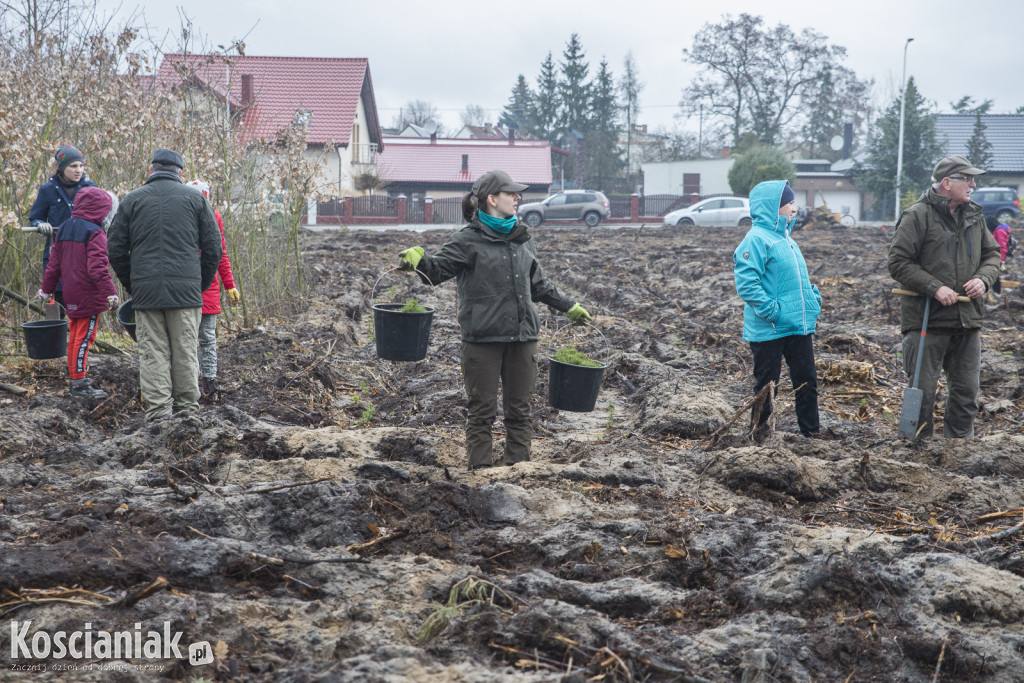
(573, 387)
(46, 338)
(126, 316)
(401, 336)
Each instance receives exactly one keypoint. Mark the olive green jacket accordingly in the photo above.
(932, 248)
(498, 279)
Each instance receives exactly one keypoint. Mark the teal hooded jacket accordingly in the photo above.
(770, 273)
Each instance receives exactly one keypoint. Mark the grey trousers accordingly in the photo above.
(959, 356)
(515, 363)
(168, 361)
(208, 346)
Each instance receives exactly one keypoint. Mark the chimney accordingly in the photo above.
(511, 135)
(246, 90)
(726, 151)
(433, 138)
(465, 163)
(487, 128)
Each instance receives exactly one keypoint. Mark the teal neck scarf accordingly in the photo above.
(502, 225)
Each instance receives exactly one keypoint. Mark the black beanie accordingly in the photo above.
(787, 196)
(67, 155)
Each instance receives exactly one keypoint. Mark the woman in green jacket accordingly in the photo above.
(499, 279)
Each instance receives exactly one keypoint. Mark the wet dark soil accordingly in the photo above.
(316, 520)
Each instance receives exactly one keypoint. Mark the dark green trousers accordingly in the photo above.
(959, 357)
(515, 364)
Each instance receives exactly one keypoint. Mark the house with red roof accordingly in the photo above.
(447, 167)
(332, 97)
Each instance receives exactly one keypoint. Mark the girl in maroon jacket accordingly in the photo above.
(79, 258)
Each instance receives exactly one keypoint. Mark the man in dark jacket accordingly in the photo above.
(942, 250)
(164, 247)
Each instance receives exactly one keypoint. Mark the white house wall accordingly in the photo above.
(666, 177)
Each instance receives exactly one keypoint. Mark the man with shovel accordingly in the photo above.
(942, 250)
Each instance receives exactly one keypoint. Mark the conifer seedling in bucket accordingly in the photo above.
(401, 330)
(574, 379)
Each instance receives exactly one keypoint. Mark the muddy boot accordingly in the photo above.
(82, 388)
(208, 387)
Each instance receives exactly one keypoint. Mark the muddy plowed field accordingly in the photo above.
(316, 521)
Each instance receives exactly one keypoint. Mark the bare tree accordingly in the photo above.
(473, 115)
(760, 79)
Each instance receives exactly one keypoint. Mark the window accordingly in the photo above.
(733, 203)
(713, 204)
(557, 200)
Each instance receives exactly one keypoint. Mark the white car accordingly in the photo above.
(715, 211)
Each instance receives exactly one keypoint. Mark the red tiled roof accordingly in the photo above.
(282, 86)
(527, 161)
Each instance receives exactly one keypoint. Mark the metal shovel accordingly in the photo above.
(910, 415)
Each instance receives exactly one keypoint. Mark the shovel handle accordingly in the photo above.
(906, 292)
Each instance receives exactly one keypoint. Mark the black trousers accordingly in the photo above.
(798, 350)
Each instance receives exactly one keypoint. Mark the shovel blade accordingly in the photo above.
(910, 416)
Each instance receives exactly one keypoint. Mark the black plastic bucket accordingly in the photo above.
(125, 313)
(46, 338)
(573, 387)
(401, 336)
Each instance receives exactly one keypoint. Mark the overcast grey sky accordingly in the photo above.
(453, 53)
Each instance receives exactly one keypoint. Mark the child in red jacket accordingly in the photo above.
(211, 307)
(79, 258)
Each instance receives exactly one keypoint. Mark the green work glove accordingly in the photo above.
(578, 315)
(411, 258)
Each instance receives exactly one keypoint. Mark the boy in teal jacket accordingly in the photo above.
(781, 305)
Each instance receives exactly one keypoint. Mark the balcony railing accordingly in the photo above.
(365, 153)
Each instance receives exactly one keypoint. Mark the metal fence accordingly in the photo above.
(375, 205)
(448, 210)
(330, 207)
(619, 206)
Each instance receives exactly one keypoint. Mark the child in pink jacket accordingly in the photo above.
(79, 258)
(1002, 234)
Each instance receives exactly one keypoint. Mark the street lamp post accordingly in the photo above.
(899, 152)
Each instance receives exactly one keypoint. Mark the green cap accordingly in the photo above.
(953, 165)
(494, 182)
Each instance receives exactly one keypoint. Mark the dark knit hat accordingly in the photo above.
(168, 157)
(787, 196)
(67, 155)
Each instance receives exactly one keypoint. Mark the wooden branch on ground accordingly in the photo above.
(13, 389)
(155, 586)
(383, 538)
(1019, 512)
(278, 561)
(290, 486)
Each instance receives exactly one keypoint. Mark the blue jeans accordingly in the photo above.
(798, 350)
(208, 346)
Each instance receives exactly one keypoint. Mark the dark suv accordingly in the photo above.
(999, 204)
(571, 205)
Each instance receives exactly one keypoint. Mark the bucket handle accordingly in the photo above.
(607, 345)
(391, 270)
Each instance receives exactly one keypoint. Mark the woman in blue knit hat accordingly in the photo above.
(55, 201)
(781, 305)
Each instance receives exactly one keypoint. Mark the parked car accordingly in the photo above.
(712, 212)
(997, 203)
(572, 205)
